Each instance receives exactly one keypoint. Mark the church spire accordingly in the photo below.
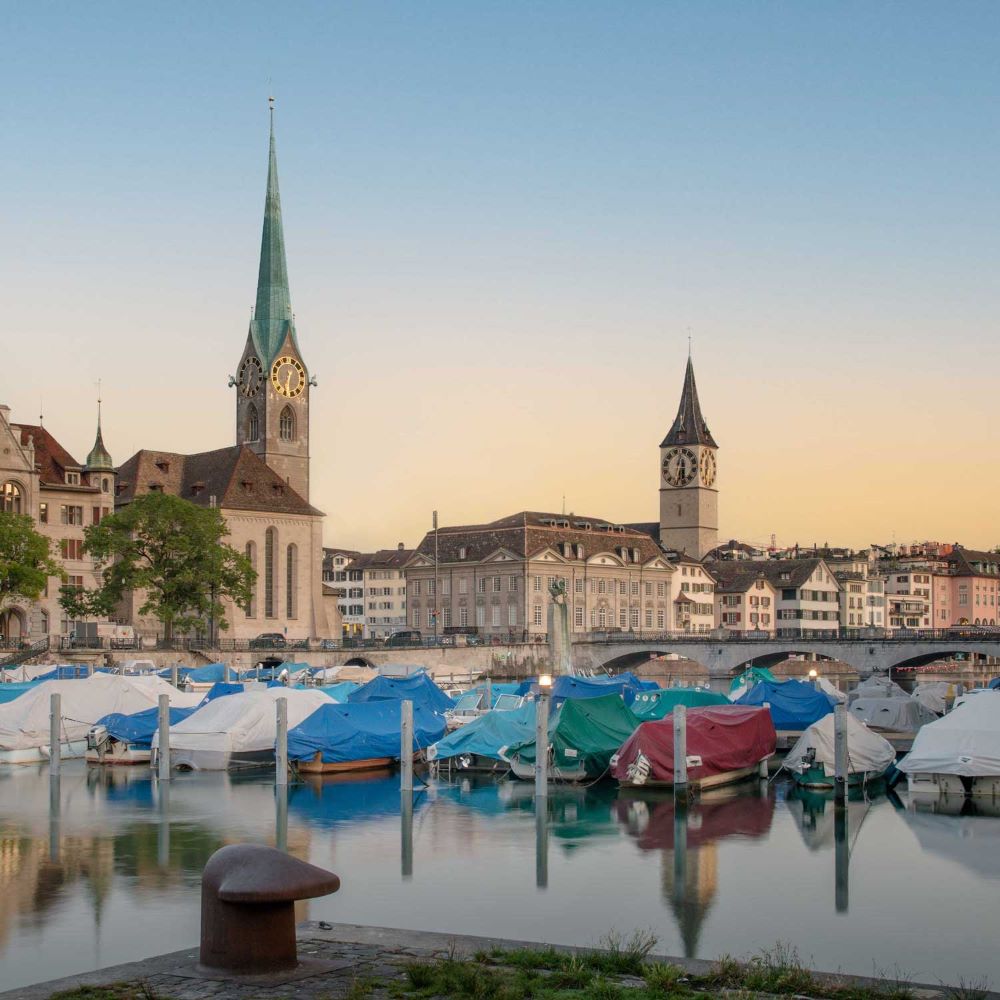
(273, 312)
(99, 460)
(689, 425)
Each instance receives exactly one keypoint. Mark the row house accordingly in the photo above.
(745, 599)
(494, 579)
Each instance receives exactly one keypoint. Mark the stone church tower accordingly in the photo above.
(272, 381)
(689, 499)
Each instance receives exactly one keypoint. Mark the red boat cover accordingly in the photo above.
(725, 737)
(652, 823)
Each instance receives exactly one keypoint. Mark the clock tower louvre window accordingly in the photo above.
(286, 424)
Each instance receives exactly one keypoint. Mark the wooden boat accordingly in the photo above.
(102, 748)
(316, 765)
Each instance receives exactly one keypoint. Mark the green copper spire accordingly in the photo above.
(99, 460)
(273, 313)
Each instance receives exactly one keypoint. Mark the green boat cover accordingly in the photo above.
(752, 675)
(657, 704)
(587, 731)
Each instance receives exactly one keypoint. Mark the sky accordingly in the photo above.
(503, 222)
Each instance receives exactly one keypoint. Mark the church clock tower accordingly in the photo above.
(272, 381)
(689, 499)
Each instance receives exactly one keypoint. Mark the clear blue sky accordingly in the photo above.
(501, 219)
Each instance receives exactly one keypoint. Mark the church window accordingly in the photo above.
(251, 606)
(43, 513)
(291, 581)
(11, 498)
(286, 424)
(270, 544)
(253, 424)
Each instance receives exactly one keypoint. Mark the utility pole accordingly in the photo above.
(437, 583)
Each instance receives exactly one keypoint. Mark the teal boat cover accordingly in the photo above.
(658, 704)
(489, 735)
(360, 731)
(418, 688)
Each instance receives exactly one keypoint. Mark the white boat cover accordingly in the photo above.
(237, 724)
(24, 722)
(877, 687)
(935, 695)
(832, 690)
(964, 742)
(898, 715)
(866, 751)
(27, 672)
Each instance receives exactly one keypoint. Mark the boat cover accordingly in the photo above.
(489, 735)
(139, 727)
(900, 715)
(657, 704)
(586, 731)
(724, 737)
(743, 682)
(24, 722)
(935, 695)
(794, 705)
(497, 688)
(965, 742)
(832, 690)
(418, 688)
(877, 687)
(866, 751)
(994, 684)
(237, 724)
(340, 691)
(10, 691)
(220, 689)
(362, 731)
(567, 686)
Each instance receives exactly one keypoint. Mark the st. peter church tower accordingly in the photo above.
(272, 381)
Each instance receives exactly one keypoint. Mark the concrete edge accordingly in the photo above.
(399, 938)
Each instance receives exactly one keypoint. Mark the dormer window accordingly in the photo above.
(156, 487)
(279, 489)
(462, 552)
(197, 488)
(163, 465)
(247, 485)
(72, 478)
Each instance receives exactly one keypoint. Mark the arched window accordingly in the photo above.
(270, 544)
(105, 484)
(10, 498)
(291, 581)
(251, 608)
(253, 424)
(286, 424)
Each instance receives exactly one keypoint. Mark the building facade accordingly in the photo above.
(494, 579)
(382, 577)
(745, 599)
(40, 478)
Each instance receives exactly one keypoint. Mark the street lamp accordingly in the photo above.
(437, 602)
(813, 677)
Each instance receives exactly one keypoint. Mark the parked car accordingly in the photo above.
(410, 637)
(268, 640)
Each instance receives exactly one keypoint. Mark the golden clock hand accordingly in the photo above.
(288, 384)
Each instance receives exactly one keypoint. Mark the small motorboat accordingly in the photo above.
(812, 760)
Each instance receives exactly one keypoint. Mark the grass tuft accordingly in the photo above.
(140, 990)
(970, 989)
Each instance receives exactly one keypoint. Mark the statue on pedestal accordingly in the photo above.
(559, 645)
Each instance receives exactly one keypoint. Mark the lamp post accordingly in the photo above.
(814, 678)
(436, 581)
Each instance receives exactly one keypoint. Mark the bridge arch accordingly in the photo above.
(359, 661)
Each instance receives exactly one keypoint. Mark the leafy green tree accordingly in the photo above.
(26, 560)
(173, 553)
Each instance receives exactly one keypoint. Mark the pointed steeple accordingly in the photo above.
(689, 425)
(272, 317)
(99, 460)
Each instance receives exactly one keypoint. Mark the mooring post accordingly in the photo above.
(406, 747)
(680, 851)
(225, 672)
(542, 745)
(488, 696)
(680, 752)
(163, 750)
(841, 860)
(542, 842)
(281, 816)
(281, 743)
(55, 733)
(840, 755)
(55, 806)
(173, 674)
(406, 834)
(163, 826)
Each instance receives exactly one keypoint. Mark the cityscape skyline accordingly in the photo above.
(837, 436)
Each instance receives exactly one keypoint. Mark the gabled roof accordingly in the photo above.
(235, 477)
(51, 458)
(689, 425)
(382, 559)
(962, 562)
(730, 575)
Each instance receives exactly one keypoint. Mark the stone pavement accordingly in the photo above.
(353, 953)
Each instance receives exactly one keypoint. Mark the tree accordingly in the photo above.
(173, 553)
(26, 561)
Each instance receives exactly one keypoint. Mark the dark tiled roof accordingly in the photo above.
(236, 477)
(51, 458)
(730, 576)
(689, 425)
(382, 559)
(960, 561)
(527, 533)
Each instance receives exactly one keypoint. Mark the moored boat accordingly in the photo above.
(812, 760)
(725, 744)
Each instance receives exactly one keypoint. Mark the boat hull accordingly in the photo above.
(119, 754)
(817, 778)
(713, 781)
(72, 750)
(924, 784)
(318, 766)
(526, 772)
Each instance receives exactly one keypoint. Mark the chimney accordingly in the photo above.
(400, 546)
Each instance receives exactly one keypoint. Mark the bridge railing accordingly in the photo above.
(951, 634)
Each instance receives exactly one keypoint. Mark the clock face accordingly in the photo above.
(288, 377)
(707, 468)
(251, 377)
(680, 466)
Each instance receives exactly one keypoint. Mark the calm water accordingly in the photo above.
(112, 874)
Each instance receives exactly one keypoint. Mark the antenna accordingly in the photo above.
(564, 505)
(41, 413)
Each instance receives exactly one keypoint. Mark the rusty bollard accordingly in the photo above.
(248, 895)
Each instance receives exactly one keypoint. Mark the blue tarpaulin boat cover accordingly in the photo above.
(220, 689)
(497, 688)
(488, 735)
(362, 731)
(208, 674)
(138, 728)
(340, 691)
(994, 684)
(566, 686)
(418, 688)
(794, 705)
(67, 672)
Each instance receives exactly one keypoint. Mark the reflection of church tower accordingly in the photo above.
(689, 884)
(689, 499)
(272, 381)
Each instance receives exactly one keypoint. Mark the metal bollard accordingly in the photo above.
(840, 755)
(542, 745)
(55, 733)
(281, 743)
(406, 747)
(680, 751)
(163, 751)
